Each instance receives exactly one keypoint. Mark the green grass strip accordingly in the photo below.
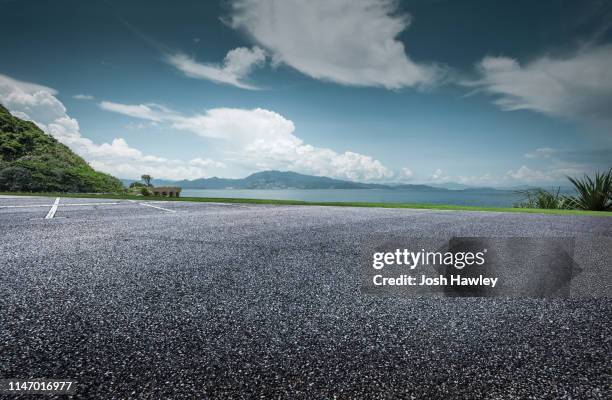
(319, 203)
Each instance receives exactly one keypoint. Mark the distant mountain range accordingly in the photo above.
(267, 180)
(293, 180)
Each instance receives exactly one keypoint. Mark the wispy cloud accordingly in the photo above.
(438, 176)
(151, 111)
(598, 158)
(83, 97)
(406, 174)
(577, 86)
(555, 164)
(525, 174)
(542, 152)
(573, 161)
(237, 65)
(344, 41)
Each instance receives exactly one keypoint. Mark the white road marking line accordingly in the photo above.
(30, 205)
(63, 204)
(88, 204)
(159, 208)
(53, 209)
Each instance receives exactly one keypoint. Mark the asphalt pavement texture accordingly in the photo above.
(204, 300)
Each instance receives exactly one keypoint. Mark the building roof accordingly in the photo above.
(175, 188)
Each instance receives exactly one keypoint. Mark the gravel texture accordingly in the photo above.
(251, 301)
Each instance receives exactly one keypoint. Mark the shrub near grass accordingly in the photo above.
(540, 198)
(593, 194)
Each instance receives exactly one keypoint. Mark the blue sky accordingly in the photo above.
(476, 92)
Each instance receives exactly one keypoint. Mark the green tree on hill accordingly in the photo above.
(147, 179)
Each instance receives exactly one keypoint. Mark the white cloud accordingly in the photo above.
(576, 86)
(558, 163)
(237, 65)
(406, 174)
(525, 174)
(38, 103)
(151, 112)
(542, 152)
(261, 139)
(206, 163)
(551, 175)
(351, 42)
(478, 180)
(589, 159)
(83, 97)
(555, 165)
(522, 175)
(437, 175)
(7, 83)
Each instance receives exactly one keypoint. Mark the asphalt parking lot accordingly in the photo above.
(147, 299)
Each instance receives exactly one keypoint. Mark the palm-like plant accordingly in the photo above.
(593, 194)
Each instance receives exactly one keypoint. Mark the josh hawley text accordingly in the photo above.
(453, 280)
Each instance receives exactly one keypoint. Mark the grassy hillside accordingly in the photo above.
(31, 160)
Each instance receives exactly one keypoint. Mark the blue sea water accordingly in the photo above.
(485, 198)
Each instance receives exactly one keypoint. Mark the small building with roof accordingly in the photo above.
(166, 191)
